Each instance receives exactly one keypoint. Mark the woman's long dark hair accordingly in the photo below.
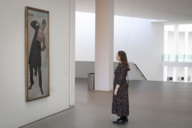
(123, 58)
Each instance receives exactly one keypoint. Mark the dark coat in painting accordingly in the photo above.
(35, 51)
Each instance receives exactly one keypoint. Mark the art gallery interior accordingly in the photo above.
(85, 36)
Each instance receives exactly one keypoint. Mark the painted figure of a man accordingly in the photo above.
(35, 52)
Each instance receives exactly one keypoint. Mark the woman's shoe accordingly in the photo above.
(123, 118)
(119, 121)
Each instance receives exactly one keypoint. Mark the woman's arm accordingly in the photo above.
(116, 89)
(119, 79)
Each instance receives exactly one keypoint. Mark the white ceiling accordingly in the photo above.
(171, 10)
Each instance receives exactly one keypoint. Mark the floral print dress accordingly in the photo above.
(120, 104)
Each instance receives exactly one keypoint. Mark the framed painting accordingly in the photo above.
(36, 53)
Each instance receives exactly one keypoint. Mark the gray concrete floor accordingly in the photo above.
(152, 105)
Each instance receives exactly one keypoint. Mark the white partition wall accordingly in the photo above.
(14, 111)
(72, 52)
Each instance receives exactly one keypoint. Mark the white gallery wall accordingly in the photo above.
(142, 39)
(85, 36)
(14, 111)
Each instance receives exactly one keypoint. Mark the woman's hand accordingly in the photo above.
(115, 92)
(116, 89)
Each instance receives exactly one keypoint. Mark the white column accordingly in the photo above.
(104, 45)
(165, 53)
(186, 74)
(174, 73)
(176, 37)
(165, 73)
(186, 54)
(186, 42)
(166, 42)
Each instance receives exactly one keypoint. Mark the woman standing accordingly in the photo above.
(120, 105)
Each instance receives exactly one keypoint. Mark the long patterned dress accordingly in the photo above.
(120, 104)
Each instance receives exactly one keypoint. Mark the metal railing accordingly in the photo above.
(176, 58)
(140, 71)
